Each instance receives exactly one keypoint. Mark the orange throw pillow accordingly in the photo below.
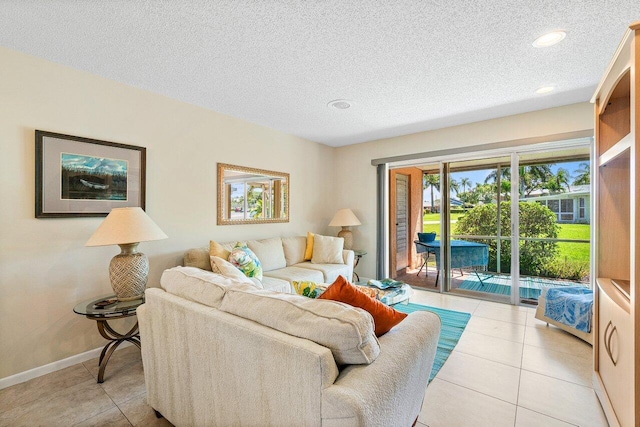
(384, 317)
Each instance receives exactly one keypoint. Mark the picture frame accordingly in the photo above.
(84, 177)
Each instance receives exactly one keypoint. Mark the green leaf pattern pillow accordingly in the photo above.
(246, 261)
(308, 289)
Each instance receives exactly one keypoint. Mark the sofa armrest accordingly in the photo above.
(391, 389)
(348, 256)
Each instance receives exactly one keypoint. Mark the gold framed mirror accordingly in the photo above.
(251, 196)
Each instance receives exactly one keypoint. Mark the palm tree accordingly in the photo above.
(563, 178)
(455, 186)
(505, 185)
(534, 177)
(464, 182)
(583, 176)
(505, 189)
(482, 193)
(505, 173)
(431, 180)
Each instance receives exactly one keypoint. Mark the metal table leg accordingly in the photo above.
(115, 339)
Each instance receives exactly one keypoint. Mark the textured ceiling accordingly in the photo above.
(407, 66)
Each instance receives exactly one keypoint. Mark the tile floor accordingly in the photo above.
(71, 396)
(509, 369)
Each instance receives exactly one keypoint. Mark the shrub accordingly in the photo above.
(565, 269)
(535, 221)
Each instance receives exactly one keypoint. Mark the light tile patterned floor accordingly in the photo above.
(71, 396)
(508, 369)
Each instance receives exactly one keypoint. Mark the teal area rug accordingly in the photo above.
(530, 287)
(453, 324)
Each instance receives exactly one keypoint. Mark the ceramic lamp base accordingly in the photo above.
(347, 235)
(129, 272)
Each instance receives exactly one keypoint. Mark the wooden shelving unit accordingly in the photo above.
(616, 376)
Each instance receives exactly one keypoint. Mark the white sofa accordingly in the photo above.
(219, 353)
(282, 262)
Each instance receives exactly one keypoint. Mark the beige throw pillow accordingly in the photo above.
(269, 252)
(327, 250)
(197, 258)
(294, 249)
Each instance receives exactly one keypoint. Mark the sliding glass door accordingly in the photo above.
(504, 227)
(554, 221)
(477, 240)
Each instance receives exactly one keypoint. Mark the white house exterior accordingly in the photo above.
(571, 206)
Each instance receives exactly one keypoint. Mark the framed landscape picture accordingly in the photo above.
(78, 176)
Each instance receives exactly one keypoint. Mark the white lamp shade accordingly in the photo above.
(344, 218)
(126, 225)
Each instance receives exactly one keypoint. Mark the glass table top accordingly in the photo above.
(117, 308)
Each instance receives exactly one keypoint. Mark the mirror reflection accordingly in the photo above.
(249, 196)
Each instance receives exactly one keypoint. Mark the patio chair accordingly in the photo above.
(423, 249)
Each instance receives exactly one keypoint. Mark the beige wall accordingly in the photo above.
(353, 163)
(45, 268)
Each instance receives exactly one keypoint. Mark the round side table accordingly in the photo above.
(117, 310)
(359, 253)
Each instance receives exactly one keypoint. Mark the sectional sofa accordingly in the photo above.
(283, 261)
(220, 351)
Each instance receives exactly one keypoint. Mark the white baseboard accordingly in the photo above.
(52, 367)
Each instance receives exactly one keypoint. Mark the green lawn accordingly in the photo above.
(436, 216)
(578, 252)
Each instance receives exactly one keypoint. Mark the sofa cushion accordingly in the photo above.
(270, 253)
(244, 258)
(226, 269)
(384, 317)
(294, 249)
(347, 331)
(198, 257)
(198, 285)
(276, 285)
(327, 250)
(295, 273)
(330, 271)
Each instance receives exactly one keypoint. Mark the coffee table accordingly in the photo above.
(390, 296)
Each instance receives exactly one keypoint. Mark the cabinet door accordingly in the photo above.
(616, 357)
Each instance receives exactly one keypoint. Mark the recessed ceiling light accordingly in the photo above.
(545, 89)
(549, 39)
(340, 104)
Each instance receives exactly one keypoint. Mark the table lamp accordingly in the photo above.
(129, 270)
(345, 218)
